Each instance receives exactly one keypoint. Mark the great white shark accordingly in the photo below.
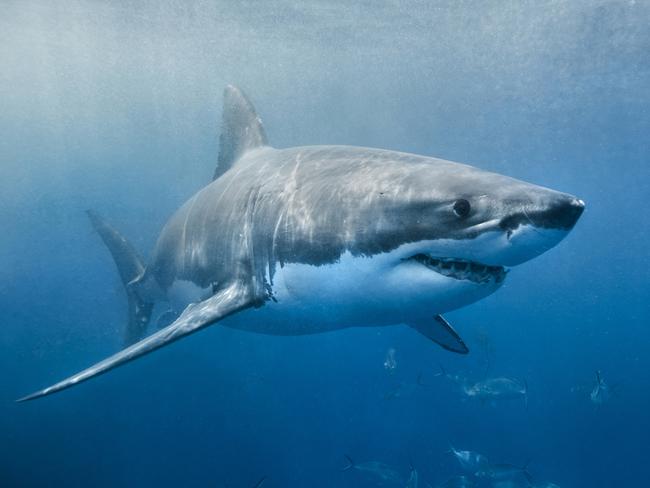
(319, 238)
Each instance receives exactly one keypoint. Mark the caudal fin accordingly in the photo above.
(129, 266)
(350, 464)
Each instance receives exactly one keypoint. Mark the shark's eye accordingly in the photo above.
(462, 208)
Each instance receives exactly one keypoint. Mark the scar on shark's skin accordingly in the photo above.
(318, 238)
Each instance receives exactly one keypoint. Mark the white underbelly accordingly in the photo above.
(313, 299)
(355, 291)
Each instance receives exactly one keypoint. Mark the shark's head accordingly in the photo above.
(449, 232)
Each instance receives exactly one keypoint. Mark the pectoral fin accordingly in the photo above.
(196, 316)
(442, 333)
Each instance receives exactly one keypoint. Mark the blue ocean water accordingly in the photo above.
(116, 106)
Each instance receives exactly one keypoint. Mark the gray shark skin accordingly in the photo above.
(313, 239)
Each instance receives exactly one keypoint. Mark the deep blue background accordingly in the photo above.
(116, 107)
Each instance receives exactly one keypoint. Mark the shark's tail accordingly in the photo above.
(130, 267)
(350, 464)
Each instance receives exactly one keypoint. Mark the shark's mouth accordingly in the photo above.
(462, 269)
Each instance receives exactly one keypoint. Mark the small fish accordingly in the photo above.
(546, 485)
(601, 392)
(498, 388)
(470, 461)
(376, 469)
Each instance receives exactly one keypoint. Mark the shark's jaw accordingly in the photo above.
(461, 269)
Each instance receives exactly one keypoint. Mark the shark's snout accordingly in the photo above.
(535, 228)
(560, 214)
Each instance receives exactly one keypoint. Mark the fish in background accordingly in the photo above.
(545, 485)
(500, 388)
(470, 461)
(601, 392)
(375, 469)
(490, 389)
(455, 482)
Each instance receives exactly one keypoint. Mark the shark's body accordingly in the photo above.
(312, 239)
(315, 239)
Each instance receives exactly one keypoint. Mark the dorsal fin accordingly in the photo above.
(241, 129)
